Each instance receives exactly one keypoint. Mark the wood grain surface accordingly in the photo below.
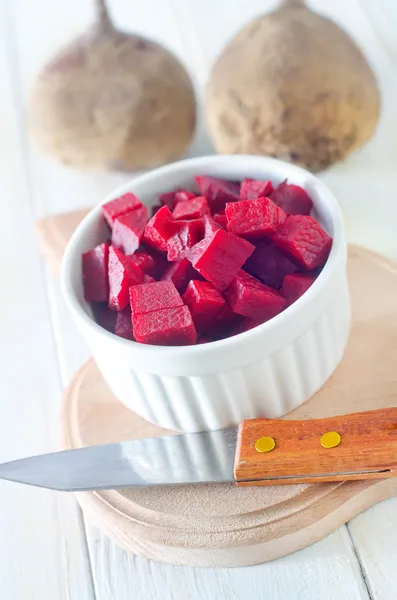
(367, 450)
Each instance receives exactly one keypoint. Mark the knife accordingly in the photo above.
(259, 452)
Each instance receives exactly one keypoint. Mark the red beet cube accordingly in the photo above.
(249, 297)
(183, 195)
(180, 273)
(254, 218)
(244, 324)
(168, 199)
(95, 274)
(155, 209)
(221, 220)
(120, 206)
(302, 239)
(218, 257)
(122, 275)
(295, 285)
(188, 234)
(204, 302)
(148, 278)
(251, 189)
(159, 229)
(105, 317)
(128, 230)
(218, 191)
(293, 199)
(123, 327)
(191, 209)
(167, 327)
(150, 297)
(268, 264)
(145, 261)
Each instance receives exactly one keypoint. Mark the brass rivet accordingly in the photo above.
(331, 439)
(265, 444)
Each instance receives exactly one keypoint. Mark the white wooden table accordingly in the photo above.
(47, 550)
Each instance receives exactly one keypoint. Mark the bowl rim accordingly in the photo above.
(237, 342)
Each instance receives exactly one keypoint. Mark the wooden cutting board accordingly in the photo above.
(222, 525)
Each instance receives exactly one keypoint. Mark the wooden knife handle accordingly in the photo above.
(367, 449)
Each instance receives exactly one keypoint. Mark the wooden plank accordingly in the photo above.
(326, 570)
(373, 533)
(42, 545)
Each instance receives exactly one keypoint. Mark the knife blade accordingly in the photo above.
(258, 452)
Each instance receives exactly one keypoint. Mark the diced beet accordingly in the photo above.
(293, 199)
(123, 327)
(203, 340)
(204, 302)
(191, 209)
(302, 239)
(183, 195)
(210, 226)
(188, 234)
(148, 278)
(251, 189)
(120, 206)
(219, 257)
(221, 220)
(105, 317)
(155, 209)
(167, 327)
(122, 275)
(295, 285)
(159, 229)
(249, 297)
(168, 199)
(225, 321)
(95, 274)
(128, 230)
(268, 264)
(150, 297)
(144, 261)
(254, 218)
(218, 191)
(180, 273)
(244, 324)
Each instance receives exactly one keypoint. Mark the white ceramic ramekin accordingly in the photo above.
(264, 372)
